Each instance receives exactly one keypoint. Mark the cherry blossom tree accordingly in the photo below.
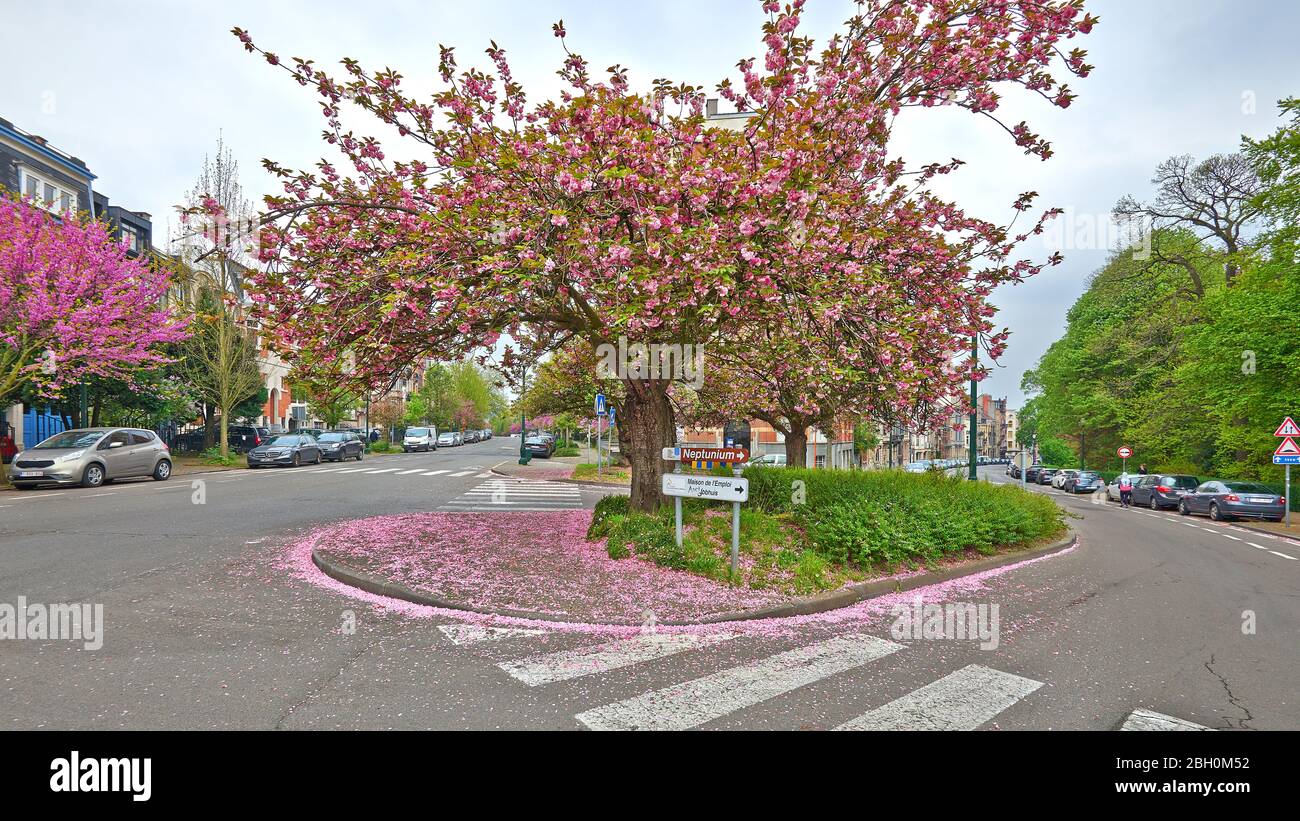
(612, 213)
(73, 305)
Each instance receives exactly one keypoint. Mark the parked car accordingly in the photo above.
(1112, 487)
(917, 467)
(337, 445)
(1225, 501)
(1031, 473)
(92, 456)
(1059, 478)
(487, 433)
(1045, 475)
(425, 439)
(446, 439)
(291, 449)
(459, 438)
(775, 460)
(538, 446)
(1083, 481)
(314, 433)
(1158, 491)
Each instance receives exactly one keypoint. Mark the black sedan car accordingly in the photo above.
(538, 446)
(1225, 501)
(1045, 475)
(1086, 481)
(1031, 473)
(290, 449)
(338, 445)
(1163, 490)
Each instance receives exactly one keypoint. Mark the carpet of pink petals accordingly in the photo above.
(539, 562)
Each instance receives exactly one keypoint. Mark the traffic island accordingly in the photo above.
(541, 568)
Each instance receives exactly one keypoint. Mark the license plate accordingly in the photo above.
(29, 474)
(1260, 500)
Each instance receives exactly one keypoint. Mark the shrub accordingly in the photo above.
(615, 505)
(565, 451)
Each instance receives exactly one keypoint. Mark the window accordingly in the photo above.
(141, 437)
(131, 237)
(48, 194)
(118, 437)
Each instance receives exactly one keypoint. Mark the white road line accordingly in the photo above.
(474, 633)
(409, 472)
(692, 703)
(94, 495)
(354, 470)
(434, 472)
(1260, 546)
(462, 473)
(959, 701)
(1283, 555)
(1151, 720)
(602, 658)
(383, 470)
(1234, 538)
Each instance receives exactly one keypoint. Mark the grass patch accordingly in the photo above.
(381, 447)
(614, 475)
(212, 456)
(565, 451)
(805, 531)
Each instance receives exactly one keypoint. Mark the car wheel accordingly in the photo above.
(1215, 514)
(1183, 509)
(1154, 504)
(319, 457)
(93, 476)
(297, 460)
(162, 471)
(361, 453)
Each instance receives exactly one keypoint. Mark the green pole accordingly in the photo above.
(974, 412)
(524, 455)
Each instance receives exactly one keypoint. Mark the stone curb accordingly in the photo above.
(334, 568)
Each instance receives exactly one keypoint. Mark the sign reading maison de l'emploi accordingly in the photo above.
(721, 488)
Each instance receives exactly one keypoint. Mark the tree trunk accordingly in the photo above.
(225, 435)
(645, 428)
(796, 447)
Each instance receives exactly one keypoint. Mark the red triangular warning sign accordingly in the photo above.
(1288, 428)
(1287, 448)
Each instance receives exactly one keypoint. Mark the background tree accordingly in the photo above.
(388, 413)
(610, 214)
(219, 360)
(331, 401)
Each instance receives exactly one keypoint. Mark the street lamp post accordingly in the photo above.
(525, 455)
(974, 412)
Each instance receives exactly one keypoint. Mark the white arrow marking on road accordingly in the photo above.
(959, 701)
(586, 661)
(692, 703)
(1151, 720)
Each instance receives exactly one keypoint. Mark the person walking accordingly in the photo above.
(1125, 490)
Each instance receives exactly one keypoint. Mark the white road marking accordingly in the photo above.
(1260, 546)
(1234, 538)
(586, 661)
(462, 473)
(1151, 720)
(692, 703)
(434, 472)
(94, 495)
(354, 470)
(409, 472)
(384, 470)
(474, 633)
(959, 701)
(1283, 555)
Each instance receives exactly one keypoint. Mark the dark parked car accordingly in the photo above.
(1031, 473)
(1158, 491)
(1086, 481)
(538, 446)
(337, 445)
(1224, 501)
(1045, 475)
(291, 449)
(471, 436)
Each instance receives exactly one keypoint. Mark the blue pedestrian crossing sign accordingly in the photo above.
(600, 404)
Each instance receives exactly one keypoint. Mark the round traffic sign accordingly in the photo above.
(1124, 451)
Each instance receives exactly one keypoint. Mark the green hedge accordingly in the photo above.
(868, 518)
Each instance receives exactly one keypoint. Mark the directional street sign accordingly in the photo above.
(721, 488)
(726, 456)
(1287, 428)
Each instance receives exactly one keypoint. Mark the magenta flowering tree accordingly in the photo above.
(73, 305)
(613, 213)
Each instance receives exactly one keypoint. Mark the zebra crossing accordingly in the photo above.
(503, 493)
(966, 699)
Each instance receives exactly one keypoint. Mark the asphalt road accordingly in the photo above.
(204, 629)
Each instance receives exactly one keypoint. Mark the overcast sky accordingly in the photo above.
(141, 91)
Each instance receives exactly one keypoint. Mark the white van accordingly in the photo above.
(425, 439)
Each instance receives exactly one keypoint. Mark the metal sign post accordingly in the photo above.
(600, 416)
(718, 488)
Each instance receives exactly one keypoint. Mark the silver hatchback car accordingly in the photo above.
(92, 456)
